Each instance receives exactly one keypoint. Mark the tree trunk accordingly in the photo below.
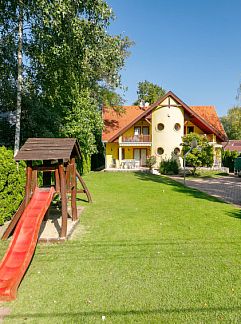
(20, 78)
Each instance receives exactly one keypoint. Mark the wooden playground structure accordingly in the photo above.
(56, 159)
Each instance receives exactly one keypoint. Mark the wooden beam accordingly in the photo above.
(84, 187)
(45, 168)
(73, 189)
(14, 220)
(68, 171)
(28, 183)
(57, 180)
(34, 179)
(63, 200)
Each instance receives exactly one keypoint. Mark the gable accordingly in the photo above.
(115, 122)
(209, 114)
(205, 117)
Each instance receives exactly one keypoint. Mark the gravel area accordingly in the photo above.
(227, 188)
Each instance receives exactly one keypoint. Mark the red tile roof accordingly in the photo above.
(232, 145)
(116, 124)
(209, 114)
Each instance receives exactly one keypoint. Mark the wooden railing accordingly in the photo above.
(137, 139)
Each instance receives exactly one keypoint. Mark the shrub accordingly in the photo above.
(169, 167)
(199, 156)
(12, 182)
(150, 161)
(228, 158)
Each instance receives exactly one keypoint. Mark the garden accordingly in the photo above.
(148, 250)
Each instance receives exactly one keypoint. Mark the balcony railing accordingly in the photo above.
(137, 139)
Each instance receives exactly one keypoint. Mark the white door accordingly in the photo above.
(140, 156)
(137, 156)
(143, 157)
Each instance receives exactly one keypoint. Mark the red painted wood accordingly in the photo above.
(22, 246)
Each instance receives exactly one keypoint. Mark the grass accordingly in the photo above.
(208, 174)
(147, 250)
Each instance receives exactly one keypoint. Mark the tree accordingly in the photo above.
(200, 156)
(232, 123)
(149, 92)
(228, 158)
(69, 58)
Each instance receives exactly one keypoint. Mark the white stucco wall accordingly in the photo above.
(168, 138)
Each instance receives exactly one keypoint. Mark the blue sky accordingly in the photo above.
(191, 47)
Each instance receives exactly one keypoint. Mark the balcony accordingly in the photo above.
(137, 139)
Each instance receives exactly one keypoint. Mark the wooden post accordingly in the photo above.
(57, 181)
(68, 175)
(34, 179)
(73, 189)
(63, 200)
(28, 182)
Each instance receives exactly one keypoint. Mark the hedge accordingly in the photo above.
(12, 182)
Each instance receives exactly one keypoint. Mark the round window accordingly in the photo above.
(160, 126)
(177, 151)
(160, 151)
(177, 126)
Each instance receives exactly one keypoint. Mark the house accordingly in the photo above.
(157, 129)
(232, 145)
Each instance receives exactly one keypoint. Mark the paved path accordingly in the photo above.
(226, 188)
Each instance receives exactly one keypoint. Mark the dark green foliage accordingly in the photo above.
(71, 67)
(151, 161)
(169, 167)
(12, 182)
(149, 92)
(200, 156)
(228, 159)
(6, 132)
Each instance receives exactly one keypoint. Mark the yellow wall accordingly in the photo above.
(210, 137)
(130, 131)
(111, 152)
(168, 138)
(196, 129)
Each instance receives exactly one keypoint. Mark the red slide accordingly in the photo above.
(22, 246)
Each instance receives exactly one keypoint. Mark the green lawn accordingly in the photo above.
(147, 250)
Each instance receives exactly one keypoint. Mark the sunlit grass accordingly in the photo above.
(147, 250)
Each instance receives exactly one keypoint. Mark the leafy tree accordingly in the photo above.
(199, 156)
(228, 159)
(149, 92)
(232, 123)
(69, 59)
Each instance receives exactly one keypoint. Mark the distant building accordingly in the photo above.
(232, 145)
(157, 129)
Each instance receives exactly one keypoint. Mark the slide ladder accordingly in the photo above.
(22, 247)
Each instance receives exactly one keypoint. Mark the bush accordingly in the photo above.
(12, 183)
(228, 158)
(199, 156)
(150, 161)
(169, 167)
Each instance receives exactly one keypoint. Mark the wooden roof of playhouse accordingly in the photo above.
(36, 149)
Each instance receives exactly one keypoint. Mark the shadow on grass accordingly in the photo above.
(140, 312)
(236, 214)
(177, 186)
